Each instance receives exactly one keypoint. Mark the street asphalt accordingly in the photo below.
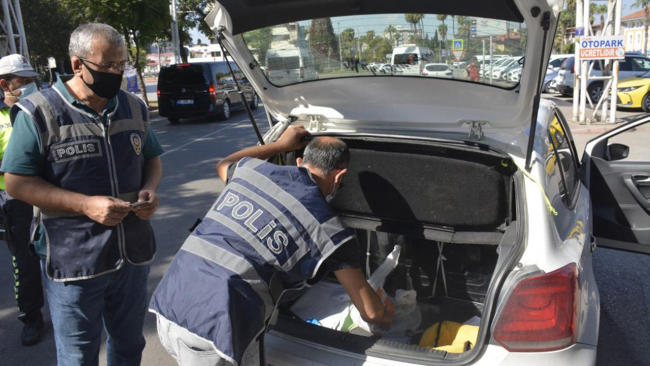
(190, 185)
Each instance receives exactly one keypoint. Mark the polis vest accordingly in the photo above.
(270, 222)
(83, 155)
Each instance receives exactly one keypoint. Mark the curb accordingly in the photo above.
(591, 129)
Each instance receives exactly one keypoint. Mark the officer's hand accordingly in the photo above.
(146, 210)
(108, 211)
(293, 138)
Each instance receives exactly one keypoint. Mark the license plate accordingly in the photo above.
(185, 102)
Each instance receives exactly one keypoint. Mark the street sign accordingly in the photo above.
(580, 32)
(472, 30)
(443, 53)
(52, 62)
(458, 45)
(602, 48)
(458, 55)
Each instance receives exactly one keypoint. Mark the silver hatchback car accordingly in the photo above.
(477, 180)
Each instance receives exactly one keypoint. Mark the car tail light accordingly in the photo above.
(573, 68)
(183, 65)
(541, 313)
(158, 93)
(212, 91)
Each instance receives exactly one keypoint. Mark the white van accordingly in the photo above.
(409, 59)
(290, 65)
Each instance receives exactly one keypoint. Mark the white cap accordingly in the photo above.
(16, 65)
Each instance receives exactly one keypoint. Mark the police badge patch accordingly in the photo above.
(136, 142)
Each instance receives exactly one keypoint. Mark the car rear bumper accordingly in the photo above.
(167, 111)
(564, 89)
(285, 350)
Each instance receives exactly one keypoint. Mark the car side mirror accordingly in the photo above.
(617, 152)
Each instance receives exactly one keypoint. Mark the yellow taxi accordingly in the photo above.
(633, 93)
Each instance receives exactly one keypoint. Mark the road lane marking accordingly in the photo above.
(202, 138)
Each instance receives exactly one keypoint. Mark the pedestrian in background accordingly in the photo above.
(17, 80)
(473, 70)
(83, 153)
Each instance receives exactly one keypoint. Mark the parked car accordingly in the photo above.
(438, 70)
(497, 71)
(635, 93)
(549, 85)
(634, 65)
(201, 90)
(498, 229)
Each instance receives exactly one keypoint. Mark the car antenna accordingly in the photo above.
(546, 23)
(239, 90)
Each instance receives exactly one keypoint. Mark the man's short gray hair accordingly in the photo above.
(82, 38)
(327, 154)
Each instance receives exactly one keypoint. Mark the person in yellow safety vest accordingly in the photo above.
(17, 80)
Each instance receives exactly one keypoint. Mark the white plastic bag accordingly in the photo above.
(326, 302)
(407, 315)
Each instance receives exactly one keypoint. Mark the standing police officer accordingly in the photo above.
(272, 228)
(82, 152)
(17, 80)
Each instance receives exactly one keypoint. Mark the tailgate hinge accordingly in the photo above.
(476, 129)
(316, 123)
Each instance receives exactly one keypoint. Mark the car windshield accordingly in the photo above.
(394, 45)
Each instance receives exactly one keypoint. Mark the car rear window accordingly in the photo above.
(437, 68)
(567, 64)
(183, 75)
(406, 59)
(283, 63)
(350, 46)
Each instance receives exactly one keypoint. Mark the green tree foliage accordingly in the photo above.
(140, 21)
(347, 42)
(567, 20)
(391, 30)
(645, 5)
(259, 39)
(322, 39)
(414, 19)
(48, 25)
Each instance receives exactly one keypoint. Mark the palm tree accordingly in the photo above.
(645, 4)
(414, 19)
(442, 28)
(390, 29)
(602, 10)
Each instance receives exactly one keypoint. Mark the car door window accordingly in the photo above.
(625, 65)
(640, 64)
(563, 160)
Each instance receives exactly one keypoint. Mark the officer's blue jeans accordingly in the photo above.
(116, 302)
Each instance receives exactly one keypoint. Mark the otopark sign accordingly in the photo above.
(602, 47)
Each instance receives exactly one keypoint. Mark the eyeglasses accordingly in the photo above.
(118, 66)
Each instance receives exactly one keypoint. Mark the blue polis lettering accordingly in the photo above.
(243, 210)
(602, 44)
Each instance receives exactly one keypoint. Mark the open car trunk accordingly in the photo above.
(452, 208)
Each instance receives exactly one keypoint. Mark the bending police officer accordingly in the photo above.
(272, 228)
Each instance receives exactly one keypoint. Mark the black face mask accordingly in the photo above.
(105, 84)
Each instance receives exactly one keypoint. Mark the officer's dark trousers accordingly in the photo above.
(26, 267)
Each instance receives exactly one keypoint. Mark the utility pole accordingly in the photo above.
(12, 32)
(175, 37)
(577, 79)
(338, 26)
